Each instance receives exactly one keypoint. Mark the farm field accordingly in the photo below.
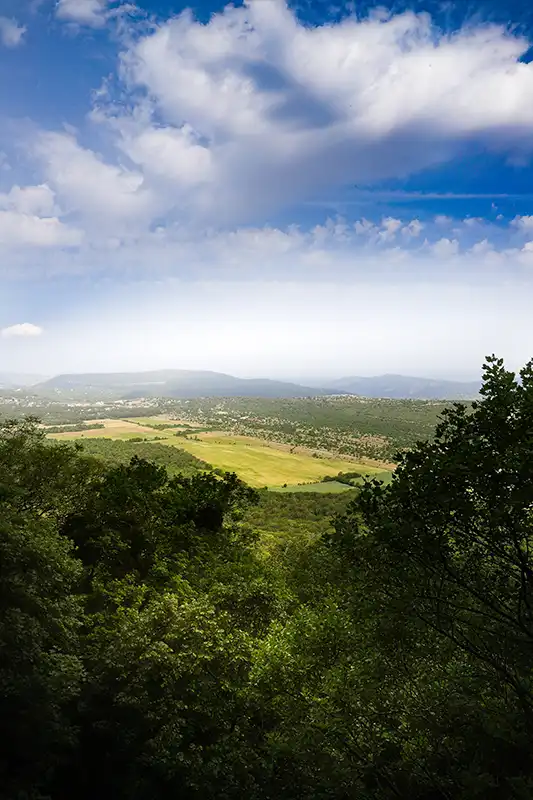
(254, 460)
(160, 419)
(113, 429)
(260, 464)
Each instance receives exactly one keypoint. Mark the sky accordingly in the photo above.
(269, 189)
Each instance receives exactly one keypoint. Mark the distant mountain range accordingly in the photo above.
(180, 383)
(404, 387)
(173, 383)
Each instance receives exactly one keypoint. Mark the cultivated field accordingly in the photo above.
(256, 461)
(260, 464)
(113, 429)
(160, 419)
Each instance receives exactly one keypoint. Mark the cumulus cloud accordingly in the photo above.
(214, 126)
(523, 223)
(223, 123)
(32, 231)
(343, 250)
(445, 248)
(83, 12)
(413, 228)
(37, 200)
(266, 111)
(86, 184)
(22, 329)
(11, 33)
(28, 217)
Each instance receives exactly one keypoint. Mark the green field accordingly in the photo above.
(158, 420)
(107, 433)
(260, 464)
(113, 429)
(253, 459)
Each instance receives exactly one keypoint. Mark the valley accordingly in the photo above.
(257, 461)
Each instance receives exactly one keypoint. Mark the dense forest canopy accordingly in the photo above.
(162, 635)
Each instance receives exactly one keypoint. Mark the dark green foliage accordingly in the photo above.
(343, 477)
(80, 426)
(40, 668)
(350, 425)
(117, 451)
(445, 552)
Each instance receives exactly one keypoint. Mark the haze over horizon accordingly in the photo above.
(273, 190)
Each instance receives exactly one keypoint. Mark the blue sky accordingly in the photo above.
(318, 188)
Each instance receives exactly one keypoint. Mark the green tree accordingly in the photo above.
(444, 557)
(40, 665)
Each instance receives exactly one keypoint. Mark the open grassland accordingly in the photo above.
(259, 464)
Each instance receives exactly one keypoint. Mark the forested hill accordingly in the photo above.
(194, 383)
(173, 383)
(168, 636)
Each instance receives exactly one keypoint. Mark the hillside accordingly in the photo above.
(172, 383)
(183, 384)
(405, 387)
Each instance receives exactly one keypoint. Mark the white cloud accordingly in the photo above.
(83, 12)
(100, 192)
(255, 107)
(481, 248)
(223, 123)
(171, 154)
(28, 230)
(29, 217)
(524, 223)
(364, 226)
(11, 33)
(389, 228)
(445, 248)
(344, 252)
(413, 229)
(37, 200)
(22, 329)
(218, 125)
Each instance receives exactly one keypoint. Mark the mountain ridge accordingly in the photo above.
(208, 383)
(400, 387)
(176, 383)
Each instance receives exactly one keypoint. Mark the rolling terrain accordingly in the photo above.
(176, 383)
(171, 383)
(258, 462)
(405, 387)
